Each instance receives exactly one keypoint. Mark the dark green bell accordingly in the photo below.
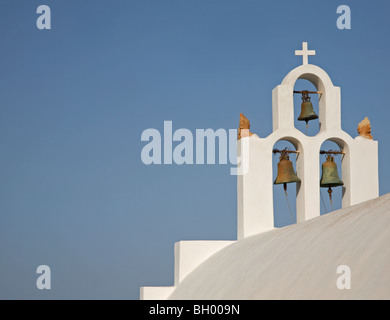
(330, 176)
(307, 111)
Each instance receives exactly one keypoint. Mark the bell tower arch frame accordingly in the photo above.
(255, 187)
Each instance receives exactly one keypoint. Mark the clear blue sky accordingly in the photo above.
(74, 101)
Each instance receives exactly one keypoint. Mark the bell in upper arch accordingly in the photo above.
(330, 177)
(286, 172)
(307, 111)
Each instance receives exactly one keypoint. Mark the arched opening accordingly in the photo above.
(310, 126)
(284, 200)
(330, 173)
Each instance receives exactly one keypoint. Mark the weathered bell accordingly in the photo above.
(286, 172)
(330, 176)
(307, 111)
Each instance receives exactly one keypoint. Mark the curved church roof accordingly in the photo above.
(301, 261)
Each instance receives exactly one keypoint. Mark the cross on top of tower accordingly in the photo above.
(305, 53)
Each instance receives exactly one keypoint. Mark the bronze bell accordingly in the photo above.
(286, 172)
(307, 111)
(330, 177)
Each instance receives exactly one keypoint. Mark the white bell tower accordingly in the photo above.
(255, 186)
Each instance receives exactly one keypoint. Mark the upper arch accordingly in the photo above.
(317, 76)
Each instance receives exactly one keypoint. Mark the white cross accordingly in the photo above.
(305, 53)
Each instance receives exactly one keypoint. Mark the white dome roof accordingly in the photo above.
(301, 261)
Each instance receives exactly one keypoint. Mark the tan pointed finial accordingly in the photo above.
(244, 124)
(364, 129)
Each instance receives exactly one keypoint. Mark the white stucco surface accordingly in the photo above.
(188, 256)
(155, 293)
(300, 261)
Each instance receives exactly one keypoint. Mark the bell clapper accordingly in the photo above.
(285, 188)
(330, 194)
(330, 197)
